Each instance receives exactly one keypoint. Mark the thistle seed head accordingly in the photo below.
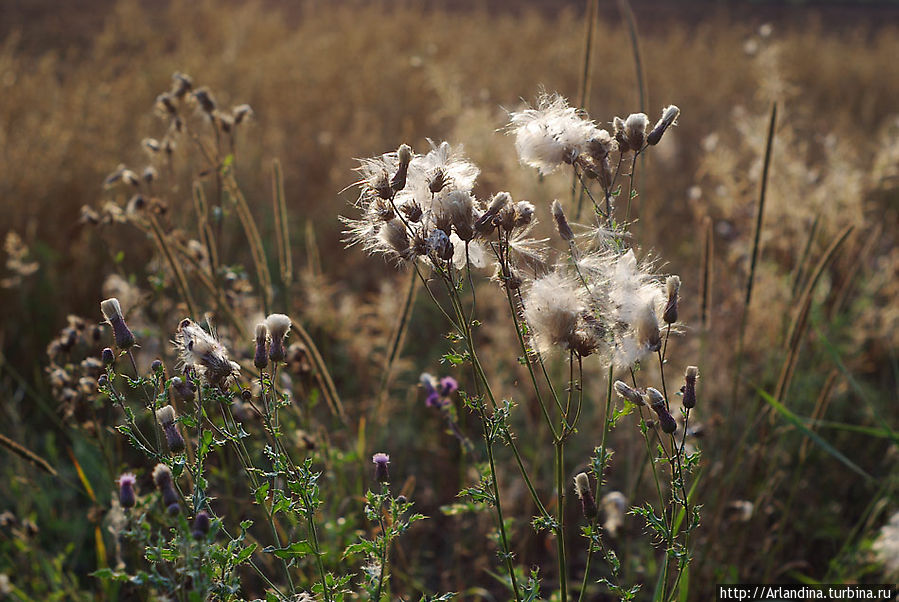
(112, 311)
(631, 395)
(585, 494)
(672, 286)
(689, 388)
(260, 356)
(669, 116)
(278, 326)
(562, 222)
(635, 130)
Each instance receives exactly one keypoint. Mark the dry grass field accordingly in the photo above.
(782, 226)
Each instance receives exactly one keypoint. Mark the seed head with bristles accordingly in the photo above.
(552, 308)
(550, 135)
(205, 354)
(278, 326)
(669, 116)
(166, 416)
(635, 129)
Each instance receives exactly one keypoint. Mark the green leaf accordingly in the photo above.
(245, 554)
(797, 422)
(261, 493)
(297, 549)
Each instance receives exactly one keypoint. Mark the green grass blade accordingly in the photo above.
(797, 422)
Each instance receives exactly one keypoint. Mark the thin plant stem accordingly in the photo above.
(507, 553)
(599, 479)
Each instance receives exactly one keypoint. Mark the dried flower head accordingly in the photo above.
(166, 417)
(112, 311)
(552, 308)
(634, 296)
(635, 127)
(669, 116)
(656, 401)
(631, 395)
(162, 476)
(278, 326)
(614, 507)
(620, 130)
(550, 135)
(585, 494)
(201, 351)
(562, 222)
(672, 286)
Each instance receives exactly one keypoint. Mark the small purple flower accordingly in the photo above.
(448, 384)
(127, 497)
(381, 460)
(438, 392)
(201, 525)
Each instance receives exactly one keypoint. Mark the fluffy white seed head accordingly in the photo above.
(635, 297)
(166, 416)
(111, 309)
(201, 350)
(552, 307)
(614, 505)
(550, 135)
(635, 129)
(582, 485)
(278, 326)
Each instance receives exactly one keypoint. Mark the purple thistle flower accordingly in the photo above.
(448, 384)
(381, 460)
(438, 392)
(127, 497)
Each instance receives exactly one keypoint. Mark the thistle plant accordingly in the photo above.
(593, 301)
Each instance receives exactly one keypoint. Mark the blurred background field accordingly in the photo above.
(329, 83)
